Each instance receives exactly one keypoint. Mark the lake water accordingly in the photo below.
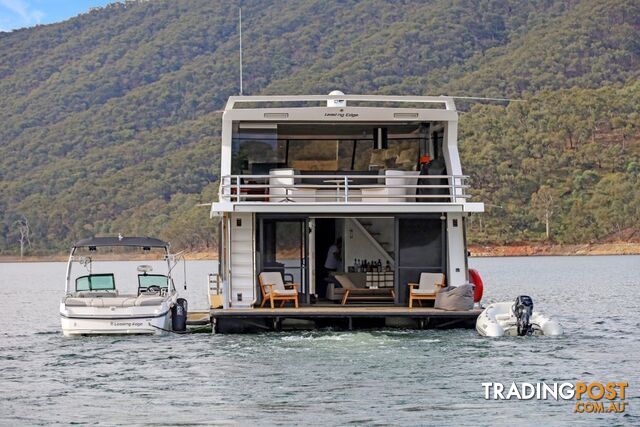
(398, 377)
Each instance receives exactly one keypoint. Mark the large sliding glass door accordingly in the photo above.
(421, 247)
(283, 248)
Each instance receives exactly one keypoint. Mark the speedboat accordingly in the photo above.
(515, 319)
(93, 305)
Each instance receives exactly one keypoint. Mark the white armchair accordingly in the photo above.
(388, 194)
(430, 284)
(281, 188)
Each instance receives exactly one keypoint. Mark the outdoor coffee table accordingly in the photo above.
(368, 294)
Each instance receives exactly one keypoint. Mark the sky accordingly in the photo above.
(16, 14)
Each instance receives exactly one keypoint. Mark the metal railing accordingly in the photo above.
(349, 188)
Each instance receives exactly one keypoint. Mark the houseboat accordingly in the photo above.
(340, 210)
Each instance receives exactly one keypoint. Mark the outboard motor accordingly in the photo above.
(179, 315)
(522, 309)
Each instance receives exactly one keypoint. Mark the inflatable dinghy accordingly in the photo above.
(515, 319)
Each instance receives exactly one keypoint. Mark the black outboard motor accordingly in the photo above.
(523, 308)
(179, 315)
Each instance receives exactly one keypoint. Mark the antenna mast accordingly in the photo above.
(240, 26)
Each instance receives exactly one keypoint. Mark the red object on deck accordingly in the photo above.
(475, 278)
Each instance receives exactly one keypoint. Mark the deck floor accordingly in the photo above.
(343, 311)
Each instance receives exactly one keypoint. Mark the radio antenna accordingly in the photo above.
(240, 30)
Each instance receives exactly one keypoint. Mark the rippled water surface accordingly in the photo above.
(325, 377)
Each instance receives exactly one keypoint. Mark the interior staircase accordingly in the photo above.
(384, 240)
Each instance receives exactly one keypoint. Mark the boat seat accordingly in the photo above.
(96, 294)
(145, 300)
(77, 302)
(99, 302)
(114, 301)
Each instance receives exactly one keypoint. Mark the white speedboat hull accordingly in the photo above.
(109, 320)
(498, 320)
(116, 326)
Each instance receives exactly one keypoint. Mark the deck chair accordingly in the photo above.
(272, 288)
(430, 284)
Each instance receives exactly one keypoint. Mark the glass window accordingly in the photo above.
(420, 242)
(256, 151)
(144, 281)
(95, 282)
(320, 154)
(284, 249)
(259, 147)
(82, 283)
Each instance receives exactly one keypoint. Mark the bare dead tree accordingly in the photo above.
(24, 230)
(543, 203)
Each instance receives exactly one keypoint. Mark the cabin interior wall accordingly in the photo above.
(359, 245)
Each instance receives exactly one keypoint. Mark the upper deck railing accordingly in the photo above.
(283, 101)
(283, 186)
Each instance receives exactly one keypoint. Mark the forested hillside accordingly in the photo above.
(110, 120)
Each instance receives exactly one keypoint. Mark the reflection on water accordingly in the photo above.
(323, 377)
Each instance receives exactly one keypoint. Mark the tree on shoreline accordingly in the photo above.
(543, 203)
(23, 228)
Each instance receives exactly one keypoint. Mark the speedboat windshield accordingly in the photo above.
(146, 281)
(127, 266)
(96, 282)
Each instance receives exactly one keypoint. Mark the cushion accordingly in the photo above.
(272, 278)
(77, 302)
(418, 291)
(345, 281)
(455, 298)
(100, 302)
(285, 292)
(428, 282)
(148, 300)
(96, 294)
(112, 302)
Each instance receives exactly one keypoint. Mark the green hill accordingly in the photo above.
(110, 119)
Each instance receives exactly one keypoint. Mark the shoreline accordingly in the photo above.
(477, 251)
(529, 249)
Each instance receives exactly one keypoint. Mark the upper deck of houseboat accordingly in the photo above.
(333, 154)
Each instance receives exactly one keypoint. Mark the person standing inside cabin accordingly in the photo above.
(334, 256)
(331, 264)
